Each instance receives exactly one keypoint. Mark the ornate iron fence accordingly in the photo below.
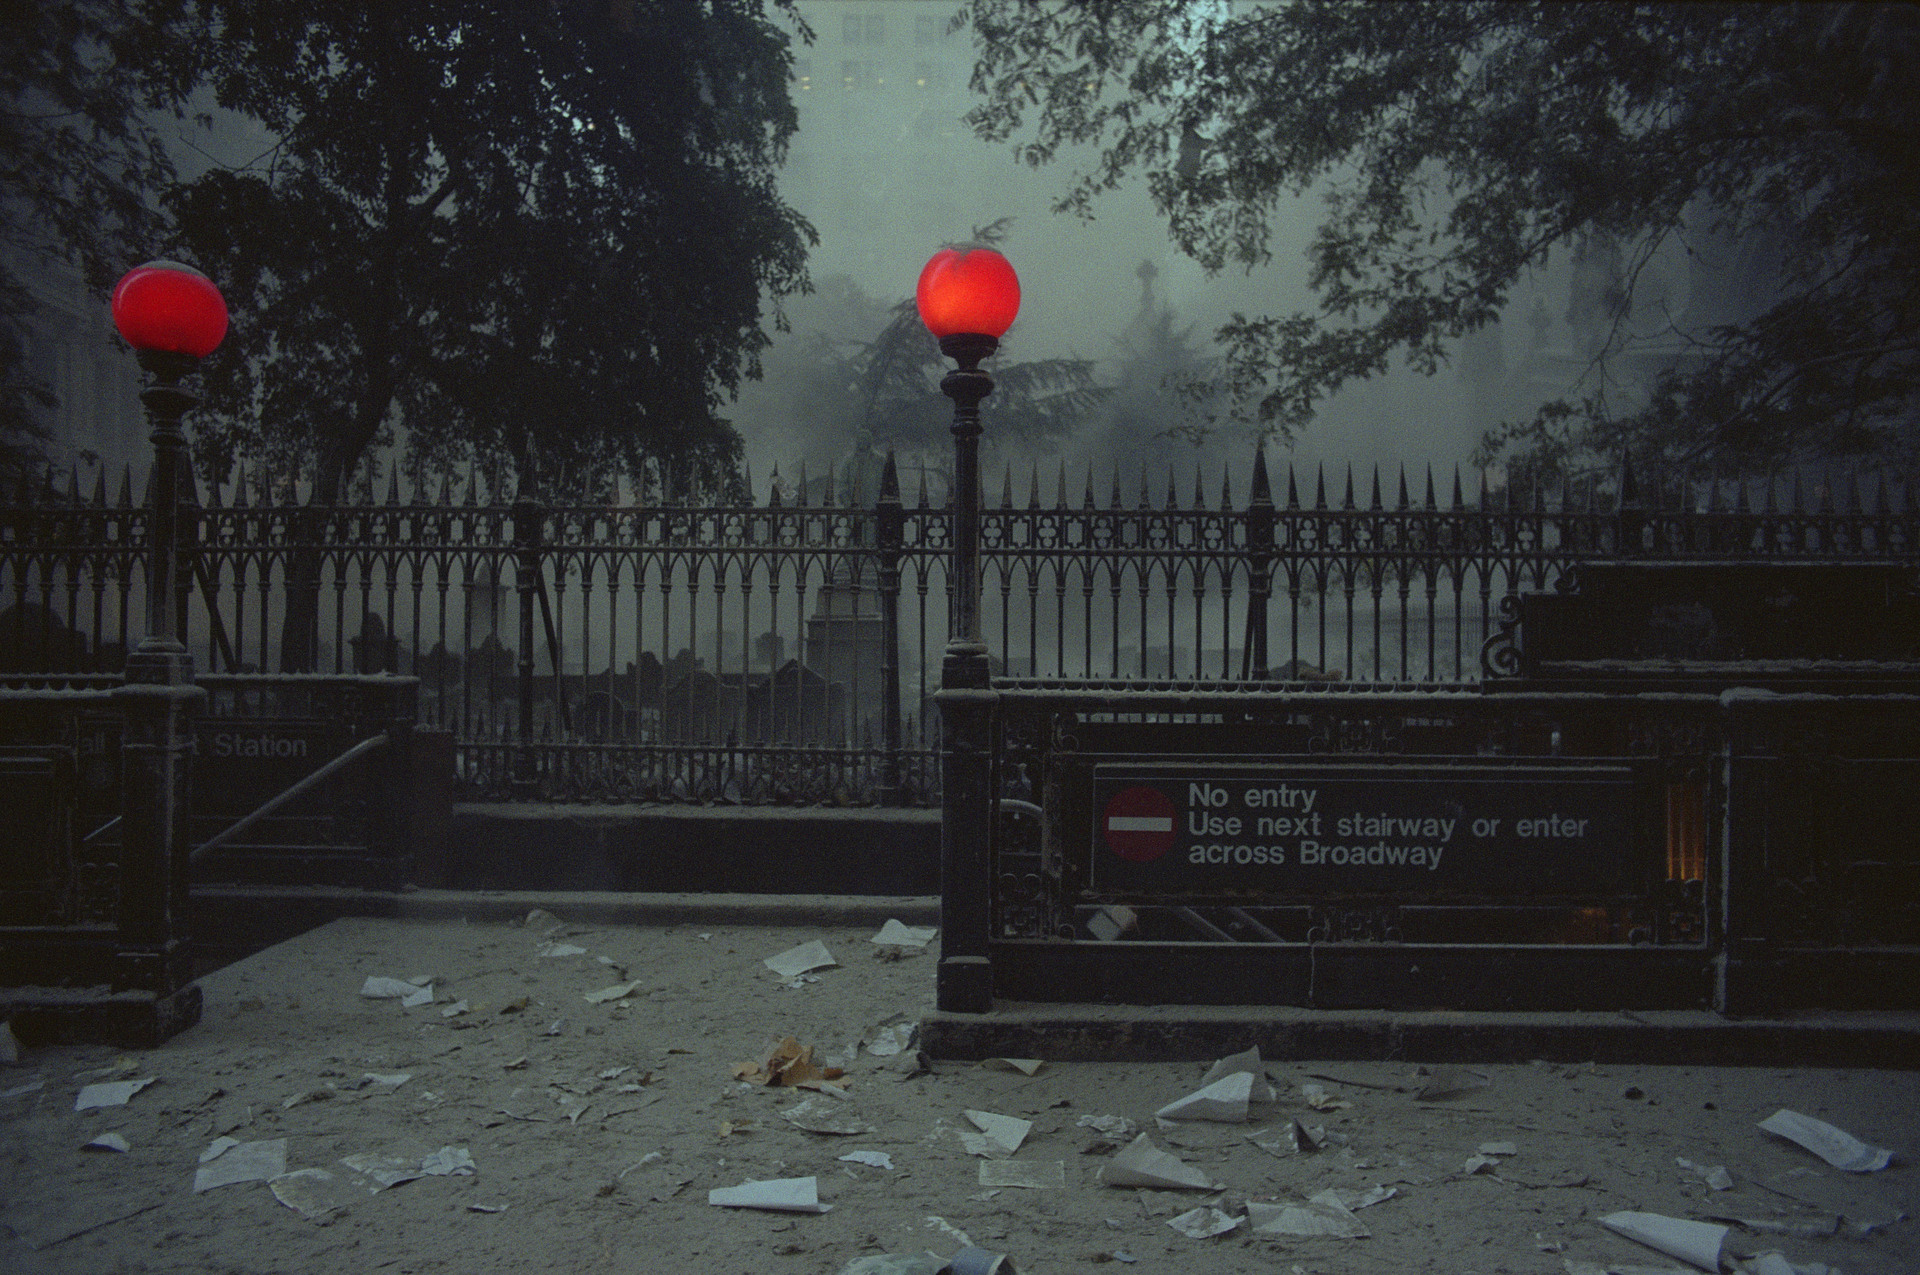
(787, 652)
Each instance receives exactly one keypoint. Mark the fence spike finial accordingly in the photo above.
(1113, 501)
(1293, 489)
(889, 480)
(1484, 491)
(1457, 502)
(1320, 485)
(1260, 488)
(1006, 485)
(73, 485)
(1430, 500)
(1089, 497)
(1376, 487)
(773, 487)
(1403, 501)
(100, 486)
(1060, 488)
(1173, 498)
(473, 486)
(1347, 503)
(393, 485)
(1629, 489)
(1146, 500)
(1226, 486)
(1033, 485)
(923, 488)
(800, 497)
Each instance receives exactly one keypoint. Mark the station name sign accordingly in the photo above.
(1329, 828)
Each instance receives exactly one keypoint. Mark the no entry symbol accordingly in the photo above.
(1138, 823)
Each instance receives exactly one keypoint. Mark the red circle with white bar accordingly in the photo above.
(1138, 824)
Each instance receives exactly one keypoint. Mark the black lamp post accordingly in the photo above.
(967, 299)
(173, 316)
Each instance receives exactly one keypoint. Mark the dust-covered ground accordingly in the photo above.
(596, 1129)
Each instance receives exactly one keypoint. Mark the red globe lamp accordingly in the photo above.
(169, 308)
(968, 292)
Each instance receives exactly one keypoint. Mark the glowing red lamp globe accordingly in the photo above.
(968, 291)
(171, 308)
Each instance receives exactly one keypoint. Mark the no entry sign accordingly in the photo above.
(1466, 829)
(1138, 824)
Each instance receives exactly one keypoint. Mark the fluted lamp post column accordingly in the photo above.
(968, 298)
(173, 316)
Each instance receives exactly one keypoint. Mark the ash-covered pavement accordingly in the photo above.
(575, 1088)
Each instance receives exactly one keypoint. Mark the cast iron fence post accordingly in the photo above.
(1260, 527)
(891, 521)
(529, 521)
(1631, 516)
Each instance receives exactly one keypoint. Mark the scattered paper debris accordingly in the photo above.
(1203, 1223)
(999, 1136)
(218, 1146)
(407, 993)
(1452, 1082)
(1224, 1100)
(801, 959)
(1320, 1214)
(563, 949)
(896, 1264)
(1143, 1164)
(1112, 1128)
(782, 1195)
(242, 1162)
(613, 993)
(108, 1142)
(787, 1063)
(109, 1093)
(1317, 1097)
(1354, 1201)
(825, 1115)
(448, 1162)
(872, 1159)
(1294, 1138)
(312, 1193)
(1025, 1066)
(21, 1091)
(1247, 1060)
(383, 1170)
(1695, 1242)
(891, 1038)
(1714, 1175)
(386, 1080)
(486, 1208)
(896, 934)
(1032, 1174)
(1838, 1148)
(454, 1010)
(1499, 1148)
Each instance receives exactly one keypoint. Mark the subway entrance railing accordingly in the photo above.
(1682, 784)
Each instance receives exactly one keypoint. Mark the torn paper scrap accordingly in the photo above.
(563, 949)
(899, 935)
(1452, 1082)
(1025, 1066)
(613, 993)
(1317, 1097)
(1143, 1164)
(1837, 1147)
(891, 1039)
(448, 1162)
(1033, 1174)
(782, 1195)
(825, 1115)
(312, 1193)
(1321, 1214)
(407, 993)
(1695, 1242)
(384, 1170)
(108, 1142)
(1203, 1223)
(1112, 1128)
(1354, 1201)
(999, 1136)
(1247, 1060)
(1714, 1175)
(798, 960)
(872, 1159)
(217, 1146)
(110, 1093)
(1224, 1100)
(243, 1162)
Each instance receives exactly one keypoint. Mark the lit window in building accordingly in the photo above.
(803, 73)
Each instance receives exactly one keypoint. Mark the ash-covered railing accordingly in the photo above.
(644, 649)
